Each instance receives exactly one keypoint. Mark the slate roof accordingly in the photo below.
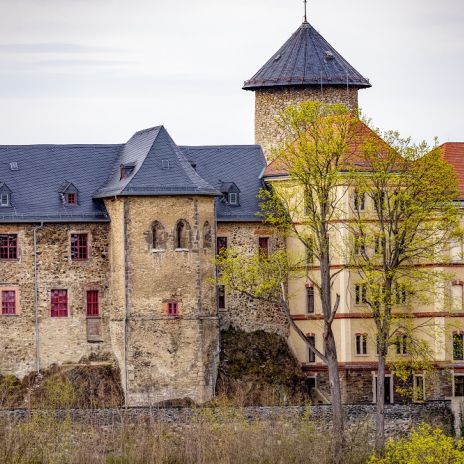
(42, 171)
(160, 169)
(306, 59)
(45, 172)
(240, 164)
(453, 152)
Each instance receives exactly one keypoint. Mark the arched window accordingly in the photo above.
(206, 235)
(182, 234)
(158, 237)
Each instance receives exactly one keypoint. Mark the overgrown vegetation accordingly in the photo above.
(258, 369)
(220, 435)
(83, 386)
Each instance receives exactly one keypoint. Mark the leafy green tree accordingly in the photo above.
(413, 219)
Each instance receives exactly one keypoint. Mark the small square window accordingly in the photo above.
(165, 164)
(221, 245)
(172, 308)
(8, 302)
(4, 199)
(125, 171)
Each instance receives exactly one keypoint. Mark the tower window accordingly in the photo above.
(8, 302)
(158, 240)
(79, 247)
(93, 304)
(221, 296)
(221, 245)
(182, 235)
(172, 308)
(59, 303)
(8, 246)
(206, 235)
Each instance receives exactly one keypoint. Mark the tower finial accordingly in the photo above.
(305, 11)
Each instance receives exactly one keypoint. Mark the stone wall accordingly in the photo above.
(64, 339)
(242, 312)
(399, 419)
(269, 102)
(166, 356)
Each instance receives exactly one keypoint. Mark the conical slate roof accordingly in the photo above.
(306, 59)
(158, 168)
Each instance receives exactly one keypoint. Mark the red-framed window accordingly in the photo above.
(173, 308)
(79, 247)
(8, 246)
(8, 302)
(93, 303)
(59, 303)
(71, 198)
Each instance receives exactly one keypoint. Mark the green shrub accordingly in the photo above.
(424, 446)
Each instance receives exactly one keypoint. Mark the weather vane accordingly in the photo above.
(305, 12)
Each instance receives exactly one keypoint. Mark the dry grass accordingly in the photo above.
(213, 436)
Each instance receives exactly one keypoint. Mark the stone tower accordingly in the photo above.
(164, 325)
(305, 68)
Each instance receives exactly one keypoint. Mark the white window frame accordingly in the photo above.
(4, 200)
(233, 198)
(362, 337)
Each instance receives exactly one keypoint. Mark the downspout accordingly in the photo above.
(36, 300)
(126, 305)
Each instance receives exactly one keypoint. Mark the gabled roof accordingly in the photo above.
(238, 164)
(453, 152)
(306, 59)
(160, 169)
(67, 187)
(43, 169)
(227, 187)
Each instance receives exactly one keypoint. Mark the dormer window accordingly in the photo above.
(231, 193)
(126, 170)
(5, 196)
(4, 199)
(165, 164)
(233, 198)
(71, 198)
(69, 194)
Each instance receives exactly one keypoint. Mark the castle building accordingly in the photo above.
(107, 251)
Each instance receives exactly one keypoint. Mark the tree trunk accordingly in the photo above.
(335, 390)
(380, 405)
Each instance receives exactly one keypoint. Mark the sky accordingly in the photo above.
(96, 71)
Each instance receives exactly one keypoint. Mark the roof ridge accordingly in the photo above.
(64, 145)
